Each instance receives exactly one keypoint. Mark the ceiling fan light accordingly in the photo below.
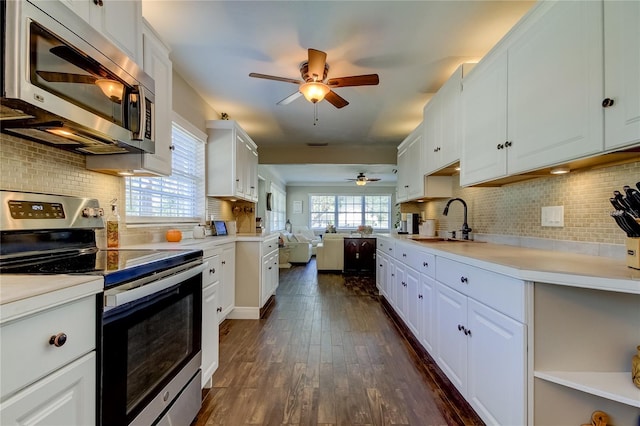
(361, 182)
(112, 89)
(314, 91)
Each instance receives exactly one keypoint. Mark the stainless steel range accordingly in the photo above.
(151, 308)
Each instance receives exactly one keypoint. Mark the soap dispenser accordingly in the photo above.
(113, 226)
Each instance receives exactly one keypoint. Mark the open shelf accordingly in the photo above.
(616, 386)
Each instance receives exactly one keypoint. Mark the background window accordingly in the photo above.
(176, 198)
(350, 211)
(278, 208)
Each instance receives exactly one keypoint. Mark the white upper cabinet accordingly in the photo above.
(536, 102)
(232, 162)
(158, 65)
(622, 73)
(410, 176)
(484, 111)
(118, 20)
(555, 88)
(442, 124)
(537, 99)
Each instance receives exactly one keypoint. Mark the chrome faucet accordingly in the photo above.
(465, 227)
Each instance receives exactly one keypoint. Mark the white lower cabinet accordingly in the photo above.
(66, 397)
(210, 308)
(48, 368)
(270, 274)
(483, 353)
(227, 280)
(426, 312)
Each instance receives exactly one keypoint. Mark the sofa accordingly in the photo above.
(303, 232)
(299, 251)
(330, 253)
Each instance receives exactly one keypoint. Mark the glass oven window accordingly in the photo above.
(157, 346)
(59, 68)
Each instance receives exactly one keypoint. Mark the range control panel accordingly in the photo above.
(35, 210)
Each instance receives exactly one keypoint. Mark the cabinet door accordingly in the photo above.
(555, 87)
(402, 186)
(266, 283)
(158, 66)
(80, 8)
(227, 284)
(351, 255)
(401, 290)
(367, 252)
(415, 176)
(412, 281)
(381, 273)
(120, 22)
(275, 278)
(252, 174)
(622, 73)
(451, 346)
(241, 161)
(391, 281)
(65, 397)
(431, 135)
(210, 304)
(484, 112)
(426, 313)
(449, 98)
(496, 375)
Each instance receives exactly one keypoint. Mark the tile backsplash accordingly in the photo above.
(510, 210)
(515, 209)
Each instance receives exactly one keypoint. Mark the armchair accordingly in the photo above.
(330, 253)
(307, 233)
(299, 252)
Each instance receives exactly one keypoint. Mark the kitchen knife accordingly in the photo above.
(616, 204)
(616, 216)
(633, 197)
(625, 203)
(638, 185)
(634, 226)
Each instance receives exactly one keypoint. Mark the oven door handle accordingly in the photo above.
(126, 296)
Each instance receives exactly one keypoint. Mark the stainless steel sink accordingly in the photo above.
(442, 240)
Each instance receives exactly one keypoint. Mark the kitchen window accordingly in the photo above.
(279, 208)
(176, 198)
(350, 211)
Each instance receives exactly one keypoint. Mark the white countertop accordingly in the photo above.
(23, 294)
(553, 267)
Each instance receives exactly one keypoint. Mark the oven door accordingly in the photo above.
(148, 343)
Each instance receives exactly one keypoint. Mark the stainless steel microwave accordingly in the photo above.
(66, 85)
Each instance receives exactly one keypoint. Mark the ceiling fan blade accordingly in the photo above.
(292, 97)
(317, 60)
(273, 77)
(61, 77)
(373, 179)
(336, 100)
(356, 80)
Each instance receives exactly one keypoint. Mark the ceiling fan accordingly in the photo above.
(362, 180)
(314, 84)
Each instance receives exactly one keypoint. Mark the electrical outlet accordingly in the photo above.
(553, 216)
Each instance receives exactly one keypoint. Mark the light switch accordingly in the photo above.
(553, 216)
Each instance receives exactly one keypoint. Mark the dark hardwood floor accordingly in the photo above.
(326, 353)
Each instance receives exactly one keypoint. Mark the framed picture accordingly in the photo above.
(297, 207)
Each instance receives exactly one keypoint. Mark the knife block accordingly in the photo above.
(633, 253)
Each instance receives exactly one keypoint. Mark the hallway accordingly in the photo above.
(326, 354)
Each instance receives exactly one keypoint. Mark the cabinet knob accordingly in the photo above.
(460, 327)
(404, 254)
(219, 309)
(500, 146)
(464, 280)
(269, 267)
(224, 263)
(58, 340)
(607, 102)
(212, 270)
(425, 264)
(467, 332)
(420, 296)
(98, 3)
(507, 144)
(171, 147)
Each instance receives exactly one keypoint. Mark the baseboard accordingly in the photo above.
(244, 312)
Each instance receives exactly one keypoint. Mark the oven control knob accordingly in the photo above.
(99, 212)
(58, 340)
(88, 212)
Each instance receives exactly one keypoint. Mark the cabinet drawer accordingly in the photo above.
(385, 246)
(498, 291)
(269, 246)
(26, 353)
(427, 264)
(412, 256)
(211, 275)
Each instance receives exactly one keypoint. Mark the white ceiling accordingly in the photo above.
(336, 174)
(414, 46)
